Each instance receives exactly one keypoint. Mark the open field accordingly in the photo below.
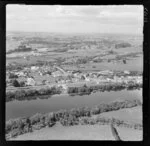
(81, 132)
(70, 48)
(126, 114)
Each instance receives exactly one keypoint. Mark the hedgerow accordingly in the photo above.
(66, 117)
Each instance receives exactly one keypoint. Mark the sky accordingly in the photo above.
(127, 19)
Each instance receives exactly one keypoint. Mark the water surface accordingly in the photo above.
(16, 109)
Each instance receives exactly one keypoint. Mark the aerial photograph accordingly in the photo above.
(74, 72)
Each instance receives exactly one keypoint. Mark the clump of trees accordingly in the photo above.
(12, 76)
(97, 60)
(82, 60)
(15, 66)
(111, 52)
(31, 94)
(122, 45)
(21, 48)
(16, 83)
(86, 90)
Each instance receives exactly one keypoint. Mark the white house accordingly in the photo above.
(56, 74)
(34, 68)
(126, 72)
(30, 82)
(21, 74)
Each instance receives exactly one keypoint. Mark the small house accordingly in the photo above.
(34, 68)
(30, 82)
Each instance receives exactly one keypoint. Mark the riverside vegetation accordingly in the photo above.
(31, 93)
(15, 127)
(83, 90)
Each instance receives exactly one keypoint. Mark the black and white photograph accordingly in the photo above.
(74, 72)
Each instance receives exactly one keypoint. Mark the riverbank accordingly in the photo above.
(71, 117)
(30, 94)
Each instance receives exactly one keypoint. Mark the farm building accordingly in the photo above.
(30, 82)
(34, 68)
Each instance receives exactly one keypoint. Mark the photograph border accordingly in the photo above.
(146, 72)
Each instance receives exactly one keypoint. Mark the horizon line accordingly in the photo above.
(139, 34)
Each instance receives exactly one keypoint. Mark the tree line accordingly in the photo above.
(31, 93)
(107, 87)
(71, 117)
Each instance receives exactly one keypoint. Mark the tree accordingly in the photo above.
(28, 121)
(12, 76)
(15, 83)
(21, 126)
(122, 45)
(22, 84)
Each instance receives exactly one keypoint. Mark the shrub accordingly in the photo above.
(49, 119)
(22, 84)
(15, 83)
(111, 52)
(42, 92)
(69, 120)
(9, 96)
(35, 118)
(20, 94)
(32, 92)
(84, 121)
(8, 126)
(61, 114)
(21, 126)
(72, 90)
(95, 111)
(12, 76)
(86, 111)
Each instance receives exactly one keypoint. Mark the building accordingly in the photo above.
(105, 72)
(56, 74)
(126, 72)
(34, 68)
(30, 82)
(21, 74)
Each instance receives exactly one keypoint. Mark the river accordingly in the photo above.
(15, 109)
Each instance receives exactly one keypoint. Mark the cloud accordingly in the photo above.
(74, 18)
(80, 11)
